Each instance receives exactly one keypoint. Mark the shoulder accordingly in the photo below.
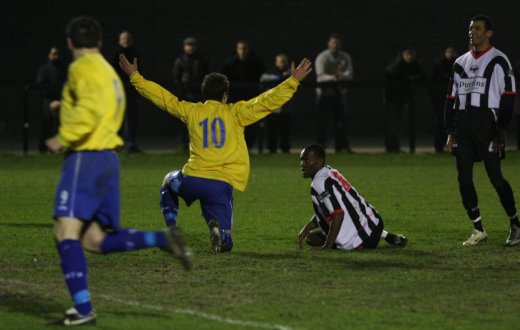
(497, 52)
(463, 58)
(318, 182)
(323, 54)
(501, 55)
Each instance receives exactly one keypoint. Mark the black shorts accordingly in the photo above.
(474, 134)
(373, 240)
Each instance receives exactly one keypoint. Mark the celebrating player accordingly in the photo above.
(219, 160)
(478, 109)
(87, 198)
(342, 218)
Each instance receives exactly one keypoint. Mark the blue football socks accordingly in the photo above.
(74, 267)
(169, 206)
(130, 239)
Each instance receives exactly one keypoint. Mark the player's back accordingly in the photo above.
(217, 145)
(93, 105)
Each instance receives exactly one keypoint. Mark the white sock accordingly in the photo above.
(383, 234)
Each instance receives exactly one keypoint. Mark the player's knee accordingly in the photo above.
(93, 238)
(465, 179)
(67, 228)
(172, 180)
(166, 179)
(497, 181)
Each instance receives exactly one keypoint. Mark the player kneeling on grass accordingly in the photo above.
(219, 160)
(342, 219)
(87, 198)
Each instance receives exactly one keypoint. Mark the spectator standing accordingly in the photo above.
(188, 71)
(333, 65)
(438, 85)
(279, 123)
(52, 76)
(129, 128)
(401, 77)
(243, 70)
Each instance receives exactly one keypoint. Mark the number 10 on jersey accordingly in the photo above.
(218, 132)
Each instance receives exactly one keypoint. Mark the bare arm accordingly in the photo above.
(158, 95)
(335, 226)
(304, 232)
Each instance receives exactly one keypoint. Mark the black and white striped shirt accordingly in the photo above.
(480, 80)
(332, 194)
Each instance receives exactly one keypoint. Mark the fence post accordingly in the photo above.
(411, 114)
(25, 147)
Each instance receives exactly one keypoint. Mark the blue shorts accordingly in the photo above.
(216, 197)
(89, 188)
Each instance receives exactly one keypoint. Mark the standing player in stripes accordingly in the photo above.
(342, 218)
(478, 109)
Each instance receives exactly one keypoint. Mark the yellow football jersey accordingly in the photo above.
(92, 105)
(217, 146)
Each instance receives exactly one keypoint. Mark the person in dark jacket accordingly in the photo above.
(129, 128)
(188, 71)
(279, 123)
(438, 86)
(51, 76)
(401, 77)
(243, 70)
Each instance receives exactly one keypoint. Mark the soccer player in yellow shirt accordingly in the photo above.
(86, 208)
(219, 159)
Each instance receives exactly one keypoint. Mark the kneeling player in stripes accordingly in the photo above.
(342, 218)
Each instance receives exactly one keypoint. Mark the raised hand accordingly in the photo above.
(303, 69)
(126, 66)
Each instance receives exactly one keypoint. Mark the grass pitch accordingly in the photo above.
(266, 282)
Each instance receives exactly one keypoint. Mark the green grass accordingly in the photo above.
(266, 281)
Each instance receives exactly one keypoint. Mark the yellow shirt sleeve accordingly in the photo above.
(249, 112)
(160, 97)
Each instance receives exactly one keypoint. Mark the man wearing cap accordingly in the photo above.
(188, 71)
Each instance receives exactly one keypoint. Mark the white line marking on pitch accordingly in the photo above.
(183, 311)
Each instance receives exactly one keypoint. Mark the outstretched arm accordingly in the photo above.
(249, 112)
(158, 95)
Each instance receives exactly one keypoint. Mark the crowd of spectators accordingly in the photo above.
(333, 67)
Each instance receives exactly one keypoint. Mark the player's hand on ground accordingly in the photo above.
(449, 143)
(54, 145)
(302, 236)
(303, 69)
(126, 66)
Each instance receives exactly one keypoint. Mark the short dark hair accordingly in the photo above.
(214, 85)
(488, 23)
(334, 36)
(317, 150)
(85, 32)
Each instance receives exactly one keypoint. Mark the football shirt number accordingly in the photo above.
(218, 132)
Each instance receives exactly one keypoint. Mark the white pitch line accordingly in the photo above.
(183, 311)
